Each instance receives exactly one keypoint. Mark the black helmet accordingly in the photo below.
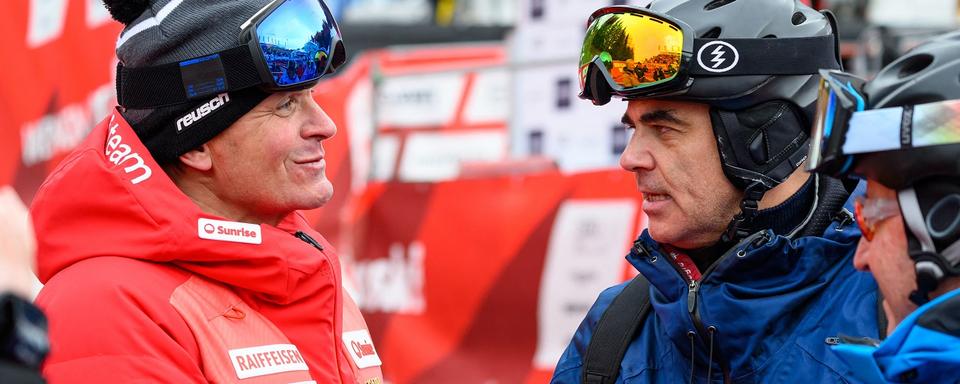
(927, 178)
(761, 122)
(926, 74)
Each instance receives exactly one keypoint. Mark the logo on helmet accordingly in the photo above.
(718, 56)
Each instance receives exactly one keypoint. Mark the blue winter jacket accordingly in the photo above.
(772, 303)
(925, 347)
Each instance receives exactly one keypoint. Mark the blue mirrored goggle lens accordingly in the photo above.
(838, 100)
(298, 40)
(830, 114)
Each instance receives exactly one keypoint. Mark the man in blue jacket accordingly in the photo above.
(748, 258)
(901, 132)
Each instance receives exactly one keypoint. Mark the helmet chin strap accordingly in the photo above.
(759, 148)
(932, 265)
(740, 227)
(929, 274)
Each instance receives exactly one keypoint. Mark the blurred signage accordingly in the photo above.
(485, 280)
(553, 122)
(55, 86)
(417, 101)
(586, 235)
(388, 11)
(915, 13)
(430, 156)
(437, 108)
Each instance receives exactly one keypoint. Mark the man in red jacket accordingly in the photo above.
(170, 242)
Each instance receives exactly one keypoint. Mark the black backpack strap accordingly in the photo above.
(617, 327)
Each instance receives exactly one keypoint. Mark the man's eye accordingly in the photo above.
(662, 129)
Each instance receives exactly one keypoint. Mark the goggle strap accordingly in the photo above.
(150, 87)
(896, 128)
(773, 56)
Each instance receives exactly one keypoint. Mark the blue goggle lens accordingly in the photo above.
(299, 40)
(838, 100)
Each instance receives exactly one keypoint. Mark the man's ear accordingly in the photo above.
(198, 158)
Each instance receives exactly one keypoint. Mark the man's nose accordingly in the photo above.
(319, 123)
(636, 156)
(861, 260)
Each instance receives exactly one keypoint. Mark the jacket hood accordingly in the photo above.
(924, 348)
(110, 198)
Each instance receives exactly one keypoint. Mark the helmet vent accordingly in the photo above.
(711, 34)
(913, 65)
(770, 37)
(798, 18)
(716, 4)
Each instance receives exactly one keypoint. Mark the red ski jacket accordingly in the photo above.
(141, 286)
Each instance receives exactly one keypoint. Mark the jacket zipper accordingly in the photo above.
(694, 288)
(337, 285)
(844, 339)
(309, 240)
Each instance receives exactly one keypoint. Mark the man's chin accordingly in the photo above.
(322, 193)
(665, 233)
(661, 233)
(325, 196)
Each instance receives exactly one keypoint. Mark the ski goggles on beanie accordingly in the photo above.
(286, 46)
(847, 132)
(636, 53)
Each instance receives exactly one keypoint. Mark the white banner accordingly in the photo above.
(584, 256)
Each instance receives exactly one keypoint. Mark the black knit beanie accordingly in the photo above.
(166, 31)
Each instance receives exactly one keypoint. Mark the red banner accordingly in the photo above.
(56, 84)
(477, 281)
